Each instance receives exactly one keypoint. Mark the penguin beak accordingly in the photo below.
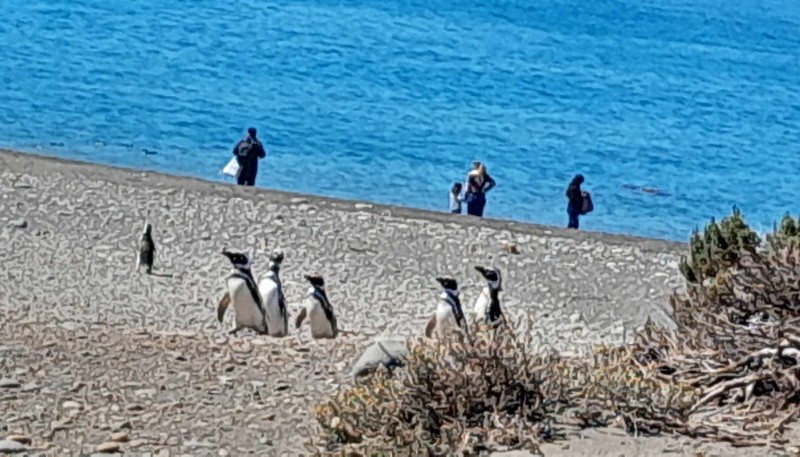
(481, 270)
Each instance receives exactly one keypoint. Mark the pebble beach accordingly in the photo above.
(97, 357)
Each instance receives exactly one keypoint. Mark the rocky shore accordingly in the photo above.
(96, 357)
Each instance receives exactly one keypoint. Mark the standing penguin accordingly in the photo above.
(449, 315)
(319, 310)
(243, 293)
(274, 301)
(147, 249)
(487, 306)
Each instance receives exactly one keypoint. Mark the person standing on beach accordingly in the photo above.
(456, 198)
(478, 183)
(575, 201)
(248, 152)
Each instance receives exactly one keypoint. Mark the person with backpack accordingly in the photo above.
(579, 202)
(248, 152)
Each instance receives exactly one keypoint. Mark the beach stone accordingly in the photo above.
(12, 447)
(299, 200)
(137, 443)
(373, 356)
(8, 383)
(198, 444)
(18, 223)
(69, 404)
(363, 206)
(120, 437)
(19, 439)
(108, 448)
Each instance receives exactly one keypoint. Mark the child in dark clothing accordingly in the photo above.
(456, 198)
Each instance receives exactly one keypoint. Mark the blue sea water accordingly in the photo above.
(391, 101)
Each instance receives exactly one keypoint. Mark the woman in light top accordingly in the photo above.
(478, 183)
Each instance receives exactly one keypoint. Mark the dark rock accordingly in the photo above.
(18, 223)
(8, 383)
(12, 447)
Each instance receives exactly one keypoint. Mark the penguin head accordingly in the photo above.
(492, 275)
(147, 230)
(238, 259)
(449, 284)
(316, 281)
(275, 260)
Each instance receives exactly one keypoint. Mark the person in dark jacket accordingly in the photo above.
(575, 197)
(248, 152)
(478, 183)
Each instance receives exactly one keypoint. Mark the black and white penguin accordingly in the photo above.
(318, 309)
(147, 249)
(449, 315)
(487, 305)
(244, 295)
(274, 301)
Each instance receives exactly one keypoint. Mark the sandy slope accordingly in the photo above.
(98, 349)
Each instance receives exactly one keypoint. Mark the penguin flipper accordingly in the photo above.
(299, 321)
(431, 325)
(223, 306)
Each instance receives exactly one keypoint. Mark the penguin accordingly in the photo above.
(449, 315)
(147, 249)
(244, 295)
(319, 310)
(274, 301)
(487, 305)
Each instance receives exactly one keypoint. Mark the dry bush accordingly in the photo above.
(730, 372)
(735, 356)
(452, 397)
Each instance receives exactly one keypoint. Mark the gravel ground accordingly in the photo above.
(95, 354)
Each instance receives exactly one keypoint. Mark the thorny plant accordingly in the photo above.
(730, 372)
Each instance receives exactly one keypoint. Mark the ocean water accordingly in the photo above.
(391, 101)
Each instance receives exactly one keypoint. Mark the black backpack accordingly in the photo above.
(245, 146)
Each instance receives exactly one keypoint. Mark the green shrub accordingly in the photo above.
(718, 248)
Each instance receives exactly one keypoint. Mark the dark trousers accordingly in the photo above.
(573, 217)
(475, 204)
(247, 176)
